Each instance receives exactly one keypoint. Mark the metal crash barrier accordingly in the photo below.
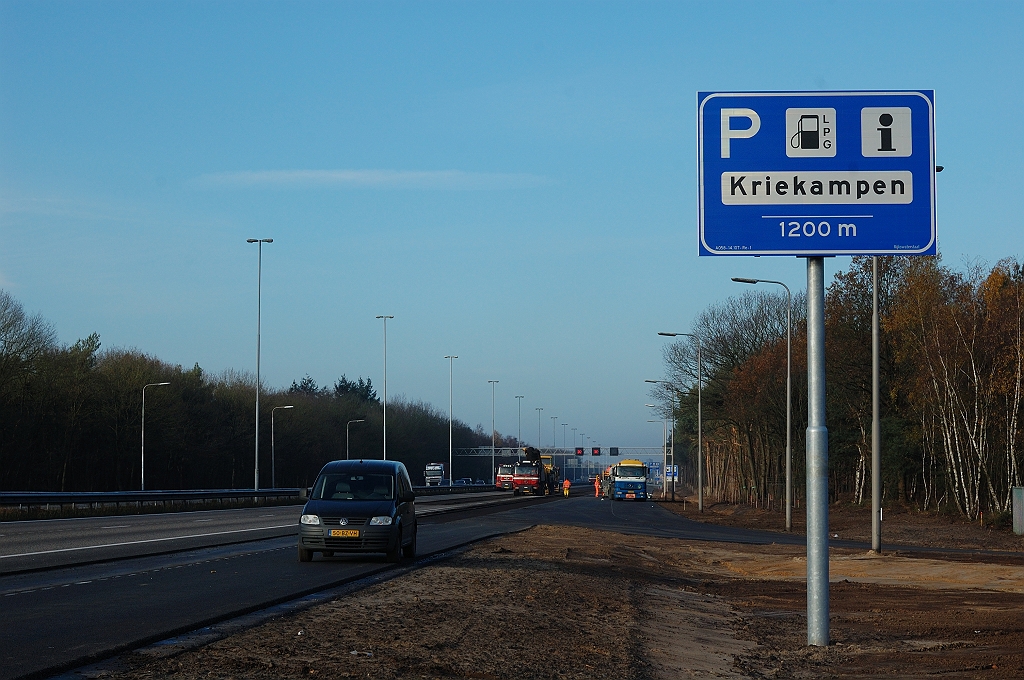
(94, 500)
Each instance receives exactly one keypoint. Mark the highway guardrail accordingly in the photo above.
(99, 499)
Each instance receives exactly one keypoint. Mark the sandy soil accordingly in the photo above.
(900, 525)
(557, 602)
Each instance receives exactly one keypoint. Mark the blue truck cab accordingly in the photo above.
(629, 481)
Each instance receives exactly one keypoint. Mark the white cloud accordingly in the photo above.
(449, 180)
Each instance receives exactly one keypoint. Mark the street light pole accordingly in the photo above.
(565, 453)
(672, 448)
(664, 455)
(538, 409)
(672, 387)
(143, 473)
(519, 437)
(493, 383)
(361, 420)
(574, 437)
(554, 420)
(584, 462)
(700, 421)
(385, 318)
(451, 358)
(789, 395)
(273, 465)
(259, 311)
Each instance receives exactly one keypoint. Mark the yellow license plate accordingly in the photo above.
(344, 533)
(630, 495)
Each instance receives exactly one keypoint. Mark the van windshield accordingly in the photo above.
(354, 486)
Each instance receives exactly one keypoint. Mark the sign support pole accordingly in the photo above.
(817, 459)
(876, 430)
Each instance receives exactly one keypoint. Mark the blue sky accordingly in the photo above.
(514, 182)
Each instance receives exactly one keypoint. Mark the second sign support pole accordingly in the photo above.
(817, 459)
(876, 426)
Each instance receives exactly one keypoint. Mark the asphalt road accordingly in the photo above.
(42, 544)
(45, 544)
(60, 618)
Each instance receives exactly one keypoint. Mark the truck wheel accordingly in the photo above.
(305, 555)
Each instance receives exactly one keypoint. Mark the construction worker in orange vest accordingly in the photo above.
(597, 486)
(565, 487)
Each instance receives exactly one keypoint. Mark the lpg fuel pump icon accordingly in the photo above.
(806, 136)
(810, 133)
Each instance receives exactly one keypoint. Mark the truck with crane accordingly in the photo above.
(531, 475)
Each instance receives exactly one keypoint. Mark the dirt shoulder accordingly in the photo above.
(900, 525)
(558, 602)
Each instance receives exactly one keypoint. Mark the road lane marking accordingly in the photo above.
(116, 526)
(148, 540)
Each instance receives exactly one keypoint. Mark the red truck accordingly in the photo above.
(503, 479)
(530, 475)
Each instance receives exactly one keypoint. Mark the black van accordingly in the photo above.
(360, 506)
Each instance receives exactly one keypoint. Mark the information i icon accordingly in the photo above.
(885, 131)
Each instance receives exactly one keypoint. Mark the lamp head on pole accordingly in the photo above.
(738, 279)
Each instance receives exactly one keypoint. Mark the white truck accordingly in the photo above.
(434, 474)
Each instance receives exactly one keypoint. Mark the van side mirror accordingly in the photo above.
(408, 497)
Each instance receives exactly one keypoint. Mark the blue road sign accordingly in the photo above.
(816, 173)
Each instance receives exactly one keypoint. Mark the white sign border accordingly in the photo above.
(804, 253)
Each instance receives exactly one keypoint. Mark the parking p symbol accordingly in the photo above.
(729, 134)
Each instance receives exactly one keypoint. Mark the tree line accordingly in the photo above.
(951, 361)
(70, 420)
